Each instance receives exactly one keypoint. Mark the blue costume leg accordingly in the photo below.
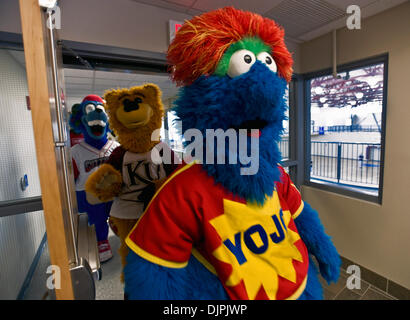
(145, 280)
(148, 281)
(313, 290)
(97, 215)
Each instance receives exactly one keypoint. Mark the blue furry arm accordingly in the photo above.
(148, 281)
(318, 243)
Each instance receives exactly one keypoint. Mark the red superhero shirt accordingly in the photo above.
(255, 251)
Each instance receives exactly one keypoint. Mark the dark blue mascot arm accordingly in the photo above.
(318, 243)
(147, 281)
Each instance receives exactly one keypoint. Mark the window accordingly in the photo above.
(171, 133)
(284, 142)
(346, 129)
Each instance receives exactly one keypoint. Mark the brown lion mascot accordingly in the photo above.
(135, 169)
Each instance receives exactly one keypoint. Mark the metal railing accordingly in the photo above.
(350, 128)
(355, 164)
(284, 147)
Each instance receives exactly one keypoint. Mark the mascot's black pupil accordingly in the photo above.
(247, 58)
(131, 105)
(268, 60)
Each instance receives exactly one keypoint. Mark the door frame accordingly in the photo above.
(42, 99)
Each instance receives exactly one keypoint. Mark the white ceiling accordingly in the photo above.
(303, 20)
(79, 83)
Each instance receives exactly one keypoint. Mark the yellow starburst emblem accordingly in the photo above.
(258, 244)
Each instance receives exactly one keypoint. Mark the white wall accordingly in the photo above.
(121, 23)
(294, 49)
(375, 236)
(20, 235)
(10, 16)
(17, 149)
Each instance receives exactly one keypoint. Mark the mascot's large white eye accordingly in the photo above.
(89, 108)
(241, 61)
(267, 59)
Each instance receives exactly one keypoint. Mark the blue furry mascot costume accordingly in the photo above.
(91, 120)
(229, 226)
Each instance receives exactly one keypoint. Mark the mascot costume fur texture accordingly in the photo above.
(76, 136)
(212, 232)
(129, 177)
(91, 120)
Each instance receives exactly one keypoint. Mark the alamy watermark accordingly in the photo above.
(54, 17)
(354, 20)
(354, 281)
(54, 12)
(53, 281)
(216, 148)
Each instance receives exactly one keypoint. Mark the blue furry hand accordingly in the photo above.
(319, 243)
(330, 270)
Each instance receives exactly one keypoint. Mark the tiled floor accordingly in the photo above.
(37, 289)
(110, 287)
(362, 290)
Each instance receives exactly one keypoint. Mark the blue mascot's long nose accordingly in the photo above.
(260, 93)
(213, 102)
